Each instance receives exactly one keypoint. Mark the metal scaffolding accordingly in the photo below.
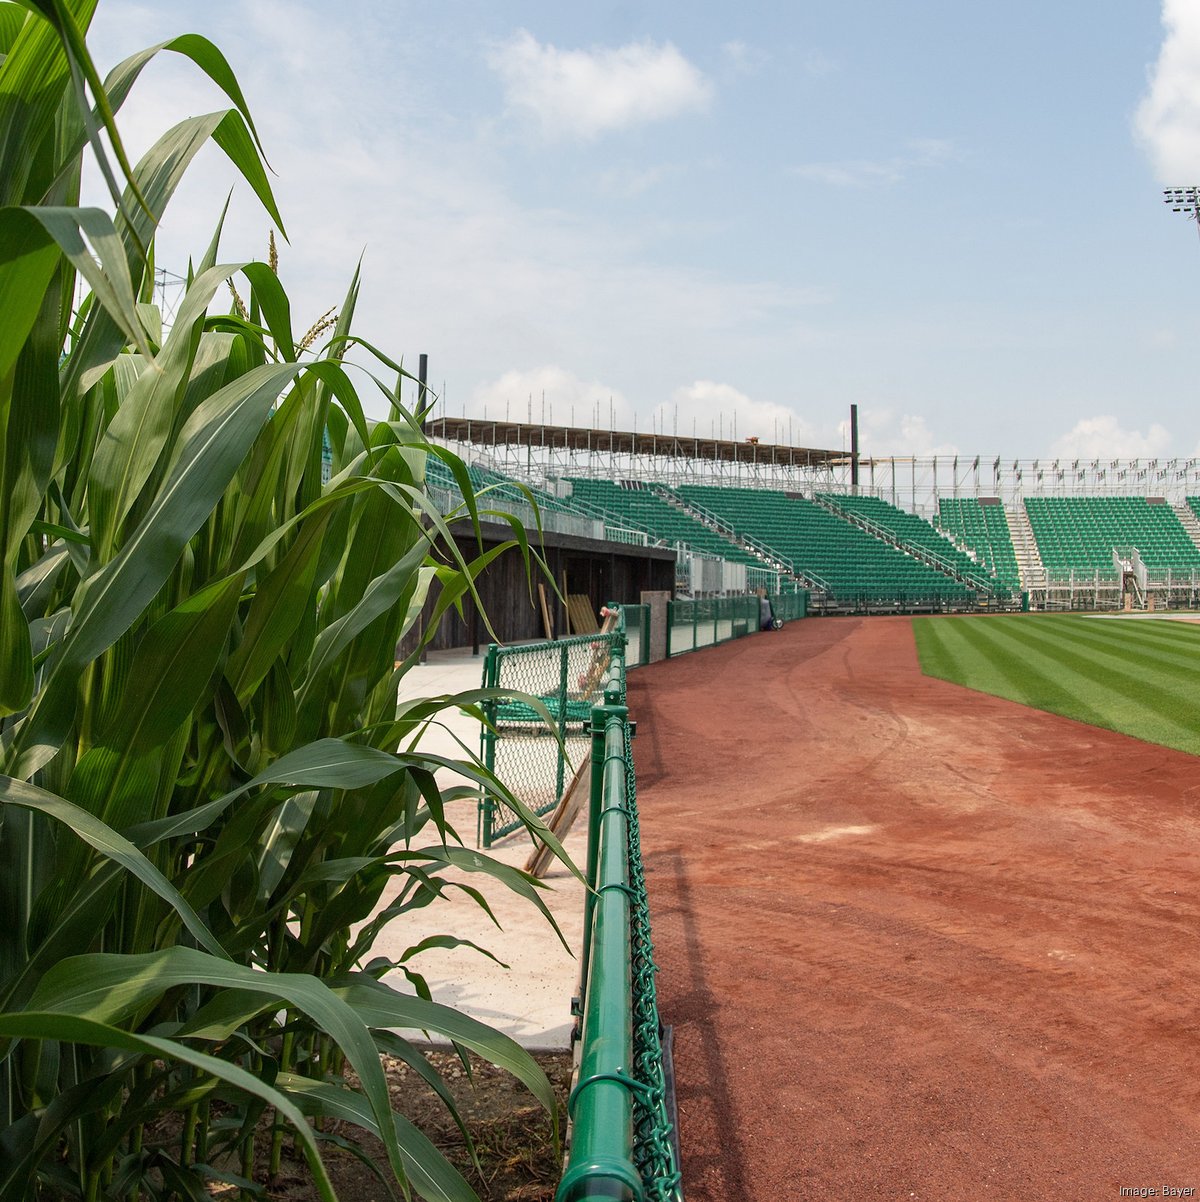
(543, 455)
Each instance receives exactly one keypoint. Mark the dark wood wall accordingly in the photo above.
(601, 571)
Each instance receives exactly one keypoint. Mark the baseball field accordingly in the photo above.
(1137, 676)
(920, 941)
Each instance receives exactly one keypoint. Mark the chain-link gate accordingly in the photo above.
(518, 745)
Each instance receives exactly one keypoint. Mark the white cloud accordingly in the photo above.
(1168, 119)
(626, 181)
(1102, 437)
(582, 93)
(922, 153)
(881, 433)
(706, 407)
(551, 393)
(920, 440)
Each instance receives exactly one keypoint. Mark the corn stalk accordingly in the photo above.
(200, 792)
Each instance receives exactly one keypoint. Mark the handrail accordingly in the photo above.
(778, 561)
(601, 1101)
(621, 1135)
(923, 554)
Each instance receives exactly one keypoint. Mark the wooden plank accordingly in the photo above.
(583, 616)
(573, 800)
(546, 623)
(593, 677)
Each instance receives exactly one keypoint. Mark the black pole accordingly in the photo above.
(854, 447)
(422, 376)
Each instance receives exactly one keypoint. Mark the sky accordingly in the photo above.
(709, 218)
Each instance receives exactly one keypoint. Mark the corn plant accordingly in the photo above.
(206, 785)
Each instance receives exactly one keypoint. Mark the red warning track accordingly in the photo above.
(915, 942)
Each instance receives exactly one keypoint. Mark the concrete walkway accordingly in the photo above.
(531, 998)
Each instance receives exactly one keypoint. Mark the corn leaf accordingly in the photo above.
(59, 1025)
(105, 840)
(431, 1174)
(109, 988)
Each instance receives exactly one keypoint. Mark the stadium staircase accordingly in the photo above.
(862, 573)
(1189, 521)
(744, 543)
(640, 505)
(1029, 561)
(912, 535)
(979, 525)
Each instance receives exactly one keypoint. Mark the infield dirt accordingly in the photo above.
(915, 941)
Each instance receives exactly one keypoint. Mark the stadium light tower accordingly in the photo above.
(1186, 201)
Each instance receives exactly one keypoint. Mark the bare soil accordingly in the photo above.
(915, 942)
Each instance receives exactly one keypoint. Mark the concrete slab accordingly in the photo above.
(530, 999)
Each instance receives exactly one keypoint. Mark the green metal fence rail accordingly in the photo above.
(622, 1137)
(704, 623)
(790, 607)
(635, 620)
(567, 676)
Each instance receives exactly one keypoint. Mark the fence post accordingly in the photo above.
(600, 717)
(487, 804)
(601, 1101)
(562, 723)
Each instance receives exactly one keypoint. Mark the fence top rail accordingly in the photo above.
(542, 645)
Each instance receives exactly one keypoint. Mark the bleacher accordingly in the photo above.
(915, 532)
(900, 562)
(642, 507)
(984, 528)
(860, 570)
(1079, 534)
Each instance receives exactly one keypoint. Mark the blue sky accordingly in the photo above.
(691, 217)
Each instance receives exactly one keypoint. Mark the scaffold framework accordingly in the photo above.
(545, 455)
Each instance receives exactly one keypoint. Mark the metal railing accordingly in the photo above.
(982, 581)
(706, 622)
(714, 521)
(622, 1142)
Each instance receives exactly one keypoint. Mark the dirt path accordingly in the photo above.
(915, 942)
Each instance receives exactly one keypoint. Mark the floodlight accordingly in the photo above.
(1184, 200)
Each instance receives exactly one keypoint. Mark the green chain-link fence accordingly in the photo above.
(518, 746)
(636, 619)
(704, 623)
(789, 607)
(622, 1140)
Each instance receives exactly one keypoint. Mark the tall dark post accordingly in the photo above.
(422, 376)
(854, 448)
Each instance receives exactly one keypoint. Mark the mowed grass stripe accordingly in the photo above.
(1133, 700)
(1177, 661)
(1057, 664)
(977, 653)
(1162, 631)
(1159, 633)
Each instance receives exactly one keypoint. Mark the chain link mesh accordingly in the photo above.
(567, 676)
(654, 1139)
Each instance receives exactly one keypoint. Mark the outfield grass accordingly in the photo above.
(1141, 678)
